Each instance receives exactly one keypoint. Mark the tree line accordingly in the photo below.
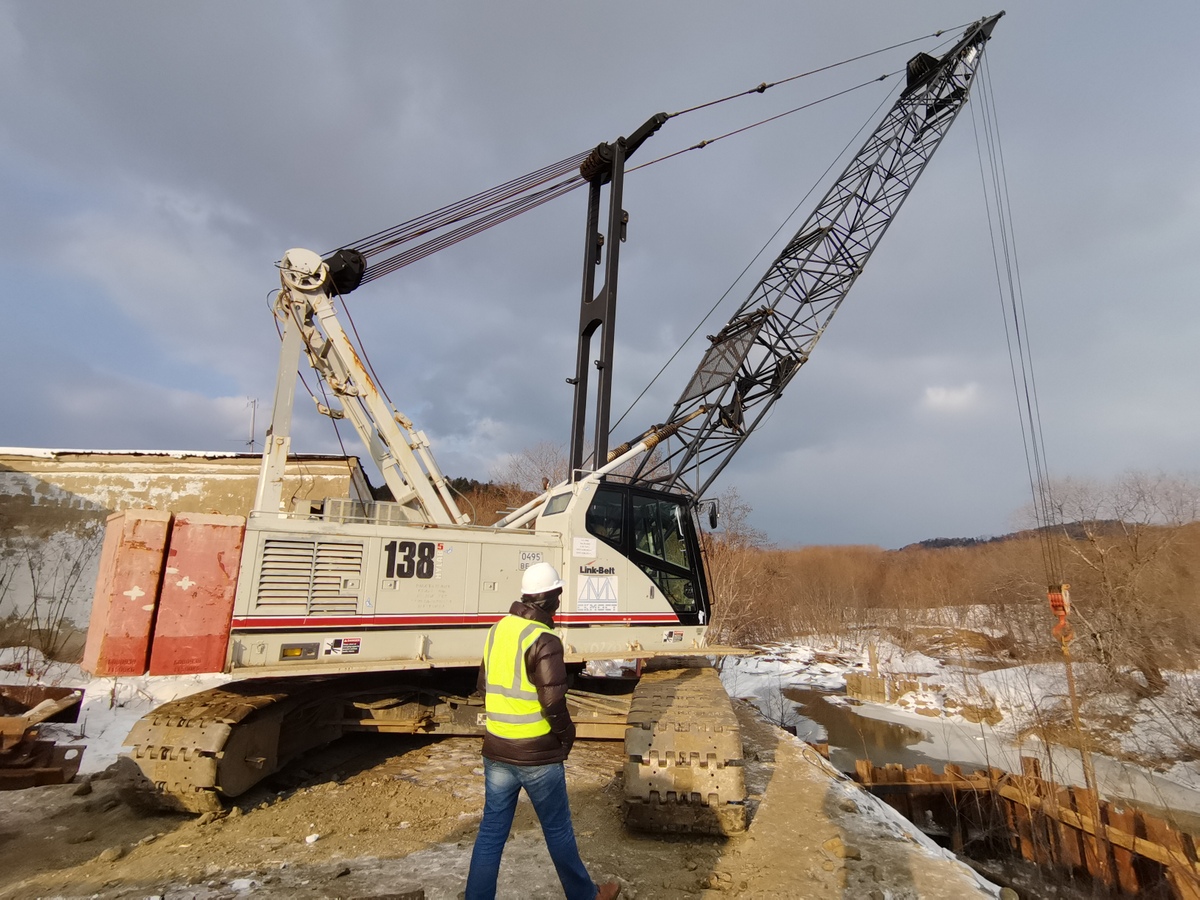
(1129, 549)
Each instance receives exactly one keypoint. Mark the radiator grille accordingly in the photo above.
(323, 577)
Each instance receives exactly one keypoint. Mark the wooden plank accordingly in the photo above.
(1046, 825)
(1070, 838)
(1123, 857)
(1039, 822)
(1182, 873)
(1031, 767)
(1022, 820)
(922, 773)
(1091, 858)
(903, 801)
(1082, 819)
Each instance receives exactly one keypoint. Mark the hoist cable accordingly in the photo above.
(1037, 441)
(1045, 513)
(1008, 329)
(523, 204)
(501, 214)
(1016, 326)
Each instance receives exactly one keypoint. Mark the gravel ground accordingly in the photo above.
(392, 816)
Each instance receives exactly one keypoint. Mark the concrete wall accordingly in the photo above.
(53, 505)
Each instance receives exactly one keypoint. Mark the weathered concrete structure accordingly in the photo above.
(53, 505)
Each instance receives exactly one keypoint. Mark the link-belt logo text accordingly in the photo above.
(597, 570)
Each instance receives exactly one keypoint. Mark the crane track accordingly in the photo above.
(684, 769)
(224, 740)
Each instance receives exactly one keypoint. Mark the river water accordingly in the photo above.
(853, 737)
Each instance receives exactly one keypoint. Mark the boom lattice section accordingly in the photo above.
(752, 359)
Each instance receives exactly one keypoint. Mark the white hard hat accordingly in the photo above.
(540, 578)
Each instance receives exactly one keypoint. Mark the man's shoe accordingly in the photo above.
(610, 890)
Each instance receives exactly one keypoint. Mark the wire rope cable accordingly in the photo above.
(471, 215)
(1010, 292)
(853, 140)
(765, 86)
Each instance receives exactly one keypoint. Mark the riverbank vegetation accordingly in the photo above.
(1130, 550)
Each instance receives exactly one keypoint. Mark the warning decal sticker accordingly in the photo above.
(342, 646)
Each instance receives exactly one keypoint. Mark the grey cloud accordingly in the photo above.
(157, 159)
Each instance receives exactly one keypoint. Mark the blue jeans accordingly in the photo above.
(547, 789)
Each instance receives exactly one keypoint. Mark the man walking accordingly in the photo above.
(529, 736)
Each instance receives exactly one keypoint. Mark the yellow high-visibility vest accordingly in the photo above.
(512, 704)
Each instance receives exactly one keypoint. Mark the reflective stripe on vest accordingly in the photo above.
(513, 710)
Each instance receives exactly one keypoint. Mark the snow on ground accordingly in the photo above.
(110, 706)
(1161, 730)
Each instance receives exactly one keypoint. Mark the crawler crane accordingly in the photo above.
(371, 616)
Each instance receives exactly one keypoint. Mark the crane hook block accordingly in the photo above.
(346, 269)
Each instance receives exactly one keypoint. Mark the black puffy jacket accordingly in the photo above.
(548, 672)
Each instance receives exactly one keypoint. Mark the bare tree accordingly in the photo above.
(55, 572)
(740, 573)
(520, 476)
(1132, 566)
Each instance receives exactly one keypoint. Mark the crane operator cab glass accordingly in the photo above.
(654, 531)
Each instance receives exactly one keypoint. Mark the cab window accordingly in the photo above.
(606, 516)
(679, 591)
(658, 529)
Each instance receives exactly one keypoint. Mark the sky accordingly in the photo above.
(156, 160)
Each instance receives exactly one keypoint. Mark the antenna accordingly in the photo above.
(252, 403)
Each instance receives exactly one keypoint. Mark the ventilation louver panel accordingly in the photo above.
(321, 577)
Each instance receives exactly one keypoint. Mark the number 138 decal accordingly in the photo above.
(406, 559)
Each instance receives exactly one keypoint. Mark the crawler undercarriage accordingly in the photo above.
(683, 770)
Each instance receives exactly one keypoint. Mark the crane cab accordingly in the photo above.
(633, 555)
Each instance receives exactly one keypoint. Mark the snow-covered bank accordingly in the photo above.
(110, 706)
(1159, 729)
